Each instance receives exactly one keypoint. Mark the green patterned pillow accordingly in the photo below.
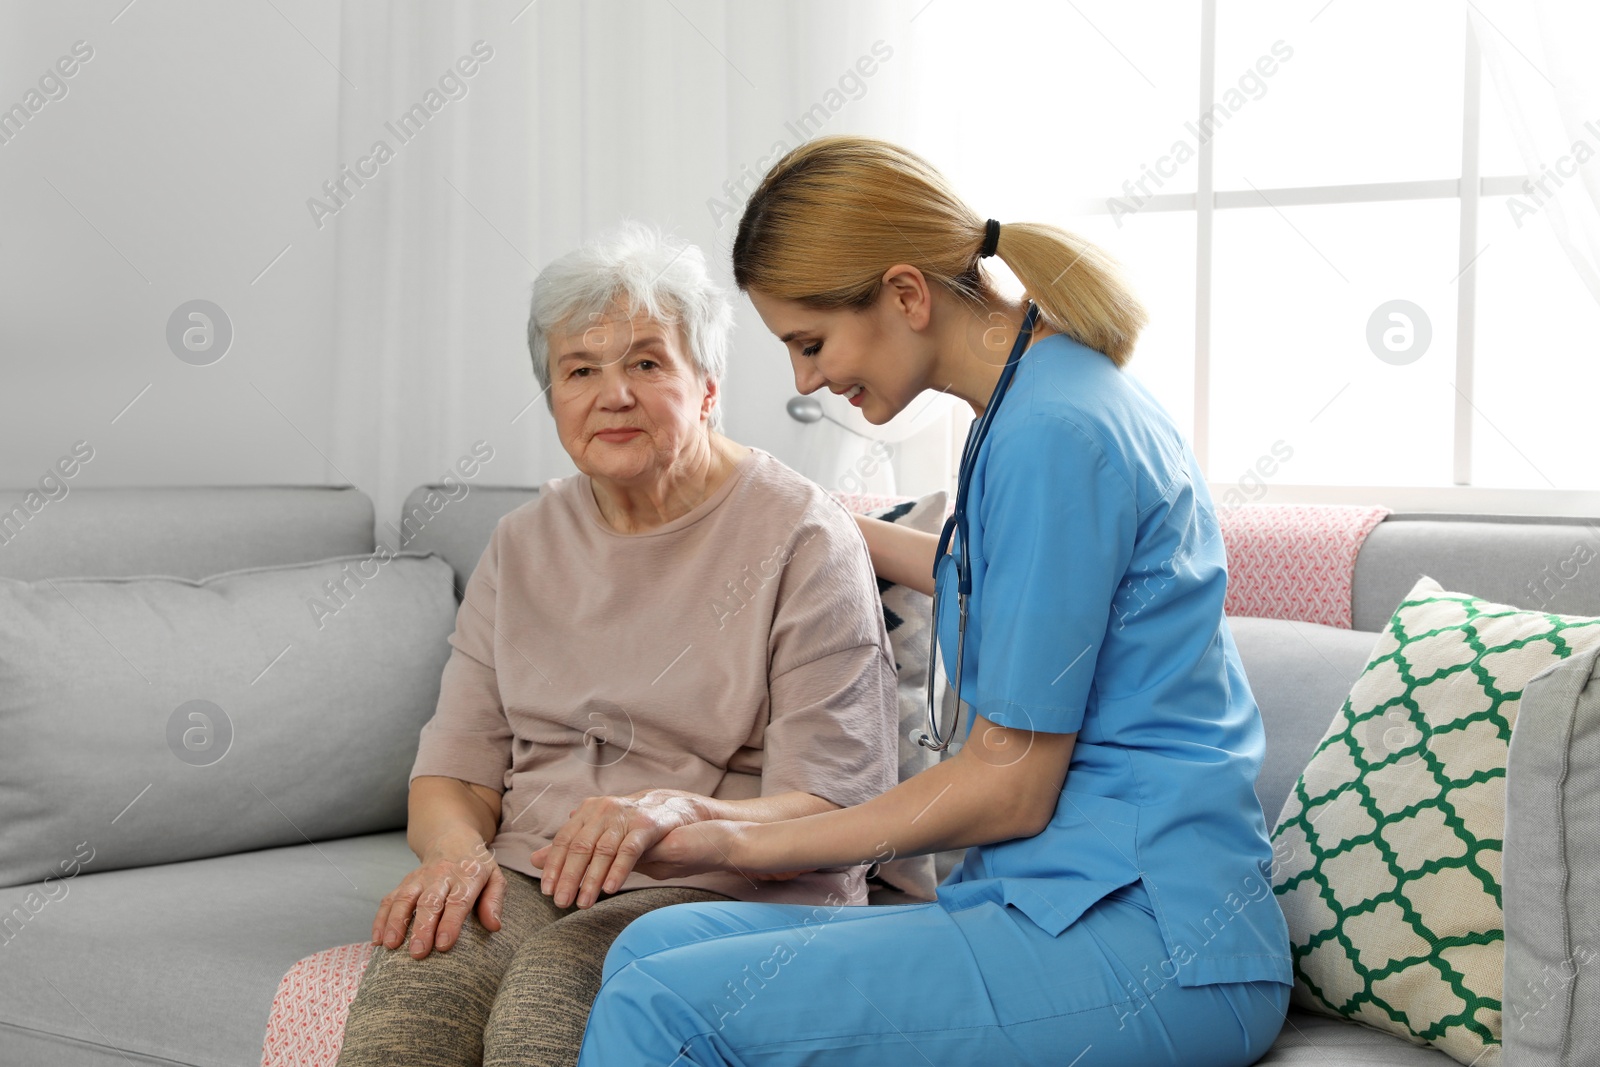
(1387, 853)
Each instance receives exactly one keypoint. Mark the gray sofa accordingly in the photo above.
(178, 962)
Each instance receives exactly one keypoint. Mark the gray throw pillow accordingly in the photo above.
(907, 615)
(154, 719)
(1552, 868)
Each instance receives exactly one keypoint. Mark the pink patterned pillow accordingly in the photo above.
(306, 1027)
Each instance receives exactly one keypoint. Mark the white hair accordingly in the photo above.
(637, 263)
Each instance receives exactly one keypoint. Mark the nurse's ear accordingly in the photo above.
(905, 294)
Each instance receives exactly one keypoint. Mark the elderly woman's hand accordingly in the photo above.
(436, 898)
(603, 839)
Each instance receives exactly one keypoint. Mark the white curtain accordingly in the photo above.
(1539, 57)
(576, 114)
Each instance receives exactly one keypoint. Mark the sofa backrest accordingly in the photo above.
(1536, 563)
(186, 532)
(458, 527)
(1530, 562)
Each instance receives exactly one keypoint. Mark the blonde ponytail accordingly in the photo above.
(833, 214)
(1077, 285)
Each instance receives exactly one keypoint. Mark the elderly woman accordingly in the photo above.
(685, 630)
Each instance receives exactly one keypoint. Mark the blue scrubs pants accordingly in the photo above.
(747, 984)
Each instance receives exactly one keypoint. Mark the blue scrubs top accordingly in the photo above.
(1098, 577)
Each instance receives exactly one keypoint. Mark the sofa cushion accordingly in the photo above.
(1310, 1040)
(1552, 1009)
(149, 720)
(1300, 673)
(1388, 851)
(178, 963)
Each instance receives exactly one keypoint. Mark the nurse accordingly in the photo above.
(1115, 902)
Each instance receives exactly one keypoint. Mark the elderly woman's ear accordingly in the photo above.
(713, 398)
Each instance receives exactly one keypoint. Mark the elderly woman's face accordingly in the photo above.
(626, 395)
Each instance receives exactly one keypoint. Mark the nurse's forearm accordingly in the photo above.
(900, 554)
(791, 805)
(986, 792)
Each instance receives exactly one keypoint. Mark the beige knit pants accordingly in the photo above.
(518, 997)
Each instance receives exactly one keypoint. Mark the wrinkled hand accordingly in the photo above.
(436, 898)
(695, 849)
(603, 840)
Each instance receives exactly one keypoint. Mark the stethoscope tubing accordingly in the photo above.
(934, 737)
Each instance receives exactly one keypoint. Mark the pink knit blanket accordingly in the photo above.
(1285, 561)
(1294, 561)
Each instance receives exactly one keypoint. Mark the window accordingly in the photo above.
(1312, 199)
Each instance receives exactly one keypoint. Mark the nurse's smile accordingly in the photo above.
(913, 337)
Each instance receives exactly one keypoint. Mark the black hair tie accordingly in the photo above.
(991, 238)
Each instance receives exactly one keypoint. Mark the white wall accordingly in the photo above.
(175, 167)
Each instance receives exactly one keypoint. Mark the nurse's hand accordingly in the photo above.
(713, 845)
(602, 840)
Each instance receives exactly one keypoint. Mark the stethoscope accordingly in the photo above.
(934, 738)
